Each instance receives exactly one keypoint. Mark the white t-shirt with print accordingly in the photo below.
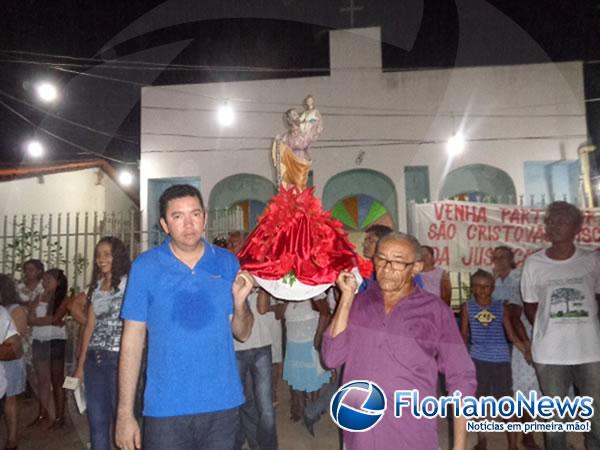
(566, 329)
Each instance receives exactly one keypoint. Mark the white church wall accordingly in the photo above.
(510, 114)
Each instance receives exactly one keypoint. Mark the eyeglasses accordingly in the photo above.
(380, 263)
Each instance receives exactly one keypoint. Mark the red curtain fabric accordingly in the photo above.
(294, 234)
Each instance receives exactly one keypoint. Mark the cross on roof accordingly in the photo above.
(351, 9)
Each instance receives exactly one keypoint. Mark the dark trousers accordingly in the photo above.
(556, 380)
(207, 431)
(100, 380)
(257, 415)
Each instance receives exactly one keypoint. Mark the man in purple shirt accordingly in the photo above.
(398, 336)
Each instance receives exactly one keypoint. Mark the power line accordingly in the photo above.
(404, 142)
(324, 107)
(138, 65)
(70, 122)
(66, 141)
(92, 75)
(384, 115)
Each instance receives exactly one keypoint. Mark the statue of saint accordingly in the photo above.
(291, 149)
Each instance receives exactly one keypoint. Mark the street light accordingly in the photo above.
(35, 149)
(225, 115)
(456, 144)
(47, 92)
(125, 178)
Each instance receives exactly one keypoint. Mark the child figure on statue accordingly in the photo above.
(291, 149)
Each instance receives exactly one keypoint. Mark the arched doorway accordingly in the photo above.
(362, 182)
(359, 198)
(479, 182)
(358, 212)
(237, 201)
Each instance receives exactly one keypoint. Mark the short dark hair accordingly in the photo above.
(510, 252)
(379, 230)
(480, 273)
(8, 291)
(178, 191)
(560, 207)
(237, 233)
(429, 249)
(35, 263)
(220, 241)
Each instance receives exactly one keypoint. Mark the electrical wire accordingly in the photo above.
(66, 141)
(124, 64)
(349, 146)
(70, 122)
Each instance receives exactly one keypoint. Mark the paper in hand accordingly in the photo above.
(78, 389)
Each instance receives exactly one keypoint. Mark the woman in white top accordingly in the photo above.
(14, 369)
(49, 343)
(31, 285)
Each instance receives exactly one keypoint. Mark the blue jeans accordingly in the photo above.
(207, 431)
(100, 380)
(555, 380)
(257, 415)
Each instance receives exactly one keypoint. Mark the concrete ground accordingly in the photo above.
(292, 436)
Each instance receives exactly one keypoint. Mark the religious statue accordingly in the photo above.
(291, 150)
(297, 249)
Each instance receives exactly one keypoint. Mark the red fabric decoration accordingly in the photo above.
(294, 234)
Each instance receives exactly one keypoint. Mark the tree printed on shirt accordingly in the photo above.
(567, 302)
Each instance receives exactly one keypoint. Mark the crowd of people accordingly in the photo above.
(213, 347)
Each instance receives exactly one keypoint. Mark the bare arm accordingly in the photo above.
(464, 323)
(263, 303)
(460, 433)
(41, 321)
(347, 284)
(446, 288)
(511, 332)
(77, 307)
(127, 432)
(11, 348)
(61, 312)
(84, 341)
(19, 317)
(241, 324)
(323, 308)
(531, 311)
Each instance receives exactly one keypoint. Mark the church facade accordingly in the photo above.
(385, 138)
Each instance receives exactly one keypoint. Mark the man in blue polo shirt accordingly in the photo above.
(190, 297)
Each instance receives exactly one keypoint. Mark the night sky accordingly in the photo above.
(101, 105)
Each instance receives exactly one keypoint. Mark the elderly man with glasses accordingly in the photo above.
(398, 336)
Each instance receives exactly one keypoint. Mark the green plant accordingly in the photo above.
(80, 265)
(29, 243)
